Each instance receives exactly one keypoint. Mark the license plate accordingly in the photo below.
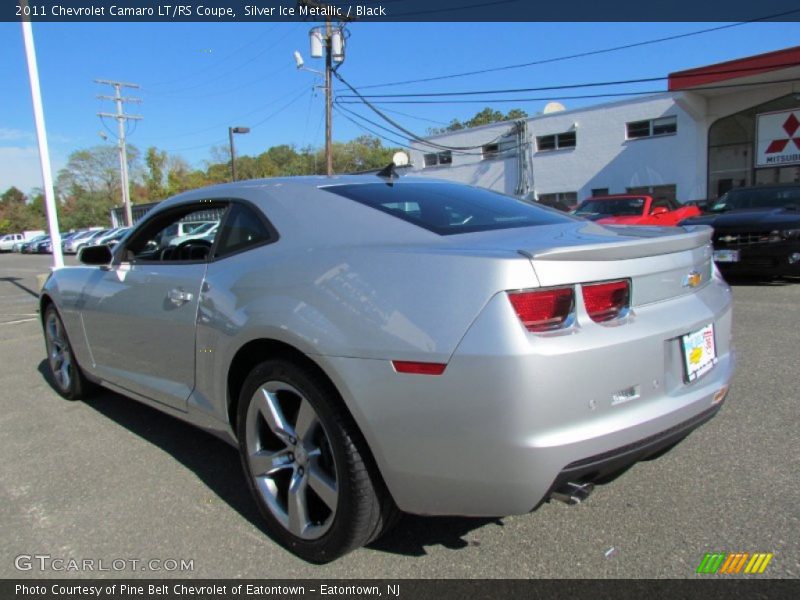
(726, 255)
(699, 352)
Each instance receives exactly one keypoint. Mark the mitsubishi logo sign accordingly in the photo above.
(778, 139)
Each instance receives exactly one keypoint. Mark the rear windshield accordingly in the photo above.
(449, 208)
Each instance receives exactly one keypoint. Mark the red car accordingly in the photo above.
(626, 209)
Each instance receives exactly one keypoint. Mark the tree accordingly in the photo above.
(88, 186)
(13, 196)
(154, 177)
(18, 212)
(483, 117)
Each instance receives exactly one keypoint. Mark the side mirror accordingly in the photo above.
(95, 255)
(659, 210)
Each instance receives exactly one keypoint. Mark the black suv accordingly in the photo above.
(756, 230)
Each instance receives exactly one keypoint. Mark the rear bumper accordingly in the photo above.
(599, 466)
(514, 414)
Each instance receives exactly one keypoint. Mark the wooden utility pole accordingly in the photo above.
(330, 12)
(121, 117)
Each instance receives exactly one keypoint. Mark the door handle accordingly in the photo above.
(179, 297)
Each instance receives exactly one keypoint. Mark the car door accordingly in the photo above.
(140, 313)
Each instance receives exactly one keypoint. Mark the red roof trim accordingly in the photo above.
(733, 69)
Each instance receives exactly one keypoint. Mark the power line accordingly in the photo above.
(355, 100)
(253, 126)
(233, 69)
(433, 145)
(218, 62)
(408, 132)
(580, 54)
(575, 85)
(240, 117)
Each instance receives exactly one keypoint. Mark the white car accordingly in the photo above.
(8, 240)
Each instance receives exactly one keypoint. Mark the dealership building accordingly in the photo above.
(716, 127)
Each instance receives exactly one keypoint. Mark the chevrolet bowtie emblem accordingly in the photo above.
(728, 238)
(692, 280)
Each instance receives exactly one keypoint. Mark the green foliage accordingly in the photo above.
(484, 117)
(18, 214)
(87, 188)
(154, 177)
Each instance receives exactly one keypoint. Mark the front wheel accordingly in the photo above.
(307, 464)
(69, 380)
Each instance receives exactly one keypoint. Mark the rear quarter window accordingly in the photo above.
(448, 209)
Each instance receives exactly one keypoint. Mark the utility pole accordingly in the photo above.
(231, 131)
(331, 54)
(328, 101)
(121, 117)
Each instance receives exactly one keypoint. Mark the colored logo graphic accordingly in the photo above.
(790, 126)
(720, 563)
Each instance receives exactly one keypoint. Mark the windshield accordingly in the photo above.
(615, 207)
(757, 198)
(449, 208)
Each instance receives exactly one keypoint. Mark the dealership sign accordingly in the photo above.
(778, 139)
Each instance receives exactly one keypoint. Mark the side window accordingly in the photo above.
(243, 228)
(183, 235)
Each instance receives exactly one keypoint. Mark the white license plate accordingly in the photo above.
(726, 255)
(699, 352)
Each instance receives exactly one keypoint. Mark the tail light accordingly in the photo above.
(543, 310)
(608, 300)
(418, 368)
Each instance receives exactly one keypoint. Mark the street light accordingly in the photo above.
(231, 131)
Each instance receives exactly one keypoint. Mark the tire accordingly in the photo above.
(307, 464)
(65, 373)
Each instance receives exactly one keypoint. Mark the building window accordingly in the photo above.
(652, 127)
(599, 192)
(490, 151)
(557, 141)
(501, 148)
(438, 158)
(658, 192)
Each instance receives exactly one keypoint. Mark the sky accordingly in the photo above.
(197, 79)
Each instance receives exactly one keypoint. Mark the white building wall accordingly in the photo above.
(602, 157)
(499, 174)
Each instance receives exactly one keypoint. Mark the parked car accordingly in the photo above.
(29, 247)
(756, 230)
(203, 231)
(91, 240)
(113, 238)
(625, 209)
(8, 240)
(87, 238)
(43, 246)
(377, 345)
(13, 241)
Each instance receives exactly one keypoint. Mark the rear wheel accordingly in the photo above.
(67, 376)
(307, 464)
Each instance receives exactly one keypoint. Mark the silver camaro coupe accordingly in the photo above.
(375, 345)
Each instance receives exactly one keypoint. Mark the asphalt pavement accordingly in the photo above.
(114, 482)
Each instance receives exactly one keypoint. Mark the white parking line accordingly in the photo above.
(17, 321)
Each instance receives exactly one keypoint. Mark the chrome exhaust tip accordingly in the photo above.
(572, 493)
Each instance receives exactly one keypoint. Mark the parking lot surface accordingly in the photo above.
(110, 479)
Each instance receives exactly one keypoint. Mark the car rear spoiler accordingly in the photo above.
(650, 242)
